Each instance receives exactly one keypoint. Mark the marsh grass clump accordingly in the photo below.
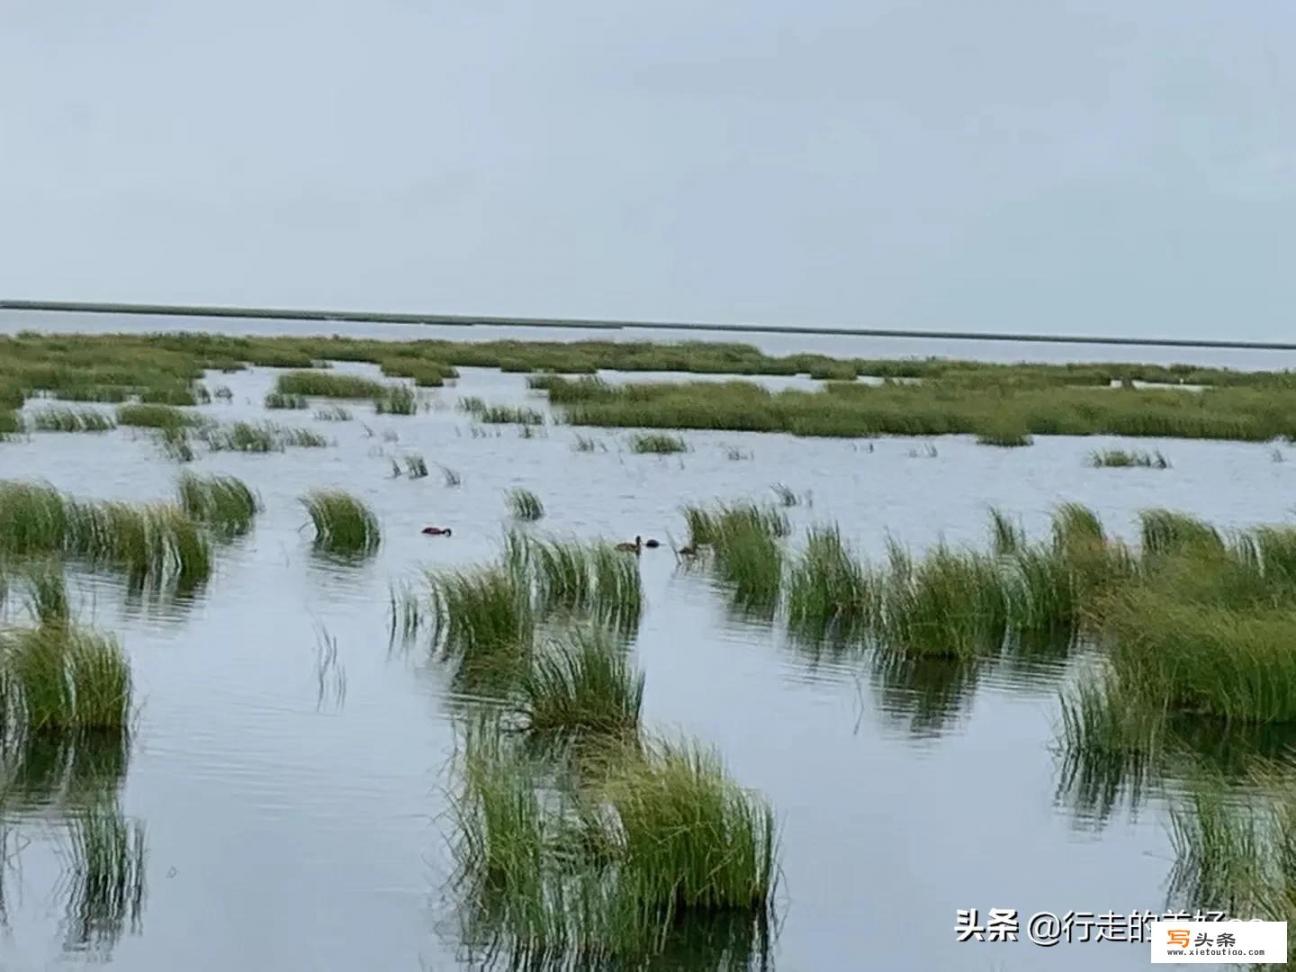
(1166, 532)
(472, 404)
(688, 838)
(396, 400)
(1124, 459)
(450, 476)
(223, 503)
(108, 860)
(426, 374)
(70, 420)
(662, 842)
(503, 414)
(63, 679)
(657, 443)
(263, 437)
(482, 618)
(416, 467)
(589, 578)
(1006, 434)
(830, 594)
(344, 525)
(281, 400)
(750, 559)
(706, 524)
(581, 683)
(1206, 659)
(333, 413)
(326, 384)
(585, 443)
(949, 603)
(155, 545)
(155, 416)
(525, 505)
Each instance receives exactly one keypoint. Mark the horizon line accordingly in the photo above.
(594, 324)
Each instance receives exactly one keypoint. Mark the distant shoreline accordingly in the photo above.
(484, 320)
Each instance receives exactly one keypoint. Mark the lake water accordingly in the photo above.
(295, 814)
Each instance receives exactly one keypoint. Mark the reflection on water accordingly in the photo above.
(925, 695)
(104, 880)
(66, 770)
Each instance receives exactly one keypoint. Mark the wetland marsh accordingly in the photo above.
(874, 672)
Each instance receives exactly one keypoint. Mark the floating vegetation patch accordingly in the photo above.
(223, 503)
(415, 467)
(343, 524)
(70, 420)
(657, 443)
(525, 505)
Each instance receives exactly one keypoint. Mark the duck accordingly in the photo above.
(631, 547)
(436, 531)
(688, 551)
(652, 544)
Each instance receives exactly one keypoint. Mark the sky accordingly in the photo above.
(1110, 167)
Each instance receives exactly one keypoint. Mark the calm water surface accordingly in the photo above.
(294, 812)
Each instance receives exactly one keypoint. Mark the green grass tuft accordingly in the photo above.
(657, 443)
(326, 384)
(280, 400)
(343, 524)
(223, 503)
(70, 420)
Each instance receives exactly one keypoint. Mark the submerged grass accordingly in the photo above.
(1125, 458)
(502, 414)
(262, 437)
(333, 413)
(224, 503)
(343, 524)
(525, 505)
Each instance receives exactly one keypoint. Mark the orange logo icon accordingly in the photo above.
(1178, 936)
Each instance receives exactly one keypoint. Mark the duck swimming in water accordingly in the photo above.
(631, 547)
(652, 544)
(436, 531)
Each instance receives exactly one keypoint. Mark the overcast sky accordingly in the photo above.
(1110, 166)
